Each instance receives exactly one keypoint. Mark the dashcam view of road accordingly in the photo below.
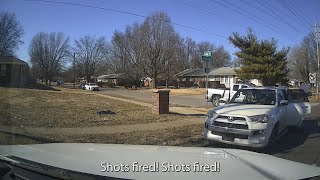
(150, 85)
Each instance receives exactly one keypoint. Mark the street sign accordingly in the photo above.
(206, 58)
(207, 54)
(312, 77)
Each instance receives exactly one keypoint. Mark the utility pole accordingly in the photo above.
(316, 34)
(74, 70)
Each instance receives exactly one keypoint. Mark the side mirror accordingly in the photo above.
(222, 102)
(284, 102)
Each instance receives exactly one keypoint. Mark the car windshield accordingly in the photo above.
(255, 96)
(99, 77)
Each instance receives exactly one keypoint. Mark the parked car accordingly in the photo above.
(216, 95)
(257, 116)
(82, 85)
(91, 87)
(60, 82)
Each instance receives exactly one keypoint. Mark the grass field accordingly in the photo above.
(189, 135)
(69, 108)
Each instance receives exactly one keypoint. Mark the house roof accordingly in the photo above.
(110, 76)
(223, 71)
(11, 60)
(191, 73)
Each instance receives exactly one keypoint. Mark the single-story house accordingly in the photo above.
(13, 71)
(193, 75)
(225, 76)
(111, 78)
(295, 82)
(146, 81)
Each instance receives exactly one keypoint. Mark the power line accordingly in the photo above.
(286, 6)
(212, 13)
(299, 12)
(236, 10)
(124, 12)
(272, 8)
(275, 17)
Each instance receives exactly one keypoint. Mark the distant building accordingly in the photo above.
(295, 82)
(223, 76)
(13, 71)
(146, 81)
(114, 78)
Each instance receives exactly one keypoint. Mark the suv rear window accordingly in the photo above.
(297, 96)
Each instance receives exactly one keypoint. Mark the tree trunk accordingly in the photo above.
(167, 83)
(154, 82)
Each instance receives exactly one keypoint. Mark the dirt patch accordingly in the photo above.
(70, 108)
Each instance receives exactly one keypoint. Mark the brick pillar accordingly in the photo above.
(160, 101)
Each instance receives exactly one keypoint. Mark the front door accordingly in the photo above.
(298, 106)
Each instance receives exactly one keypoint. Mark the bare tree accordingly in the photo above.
(236, 62)
(302, 59)
(221, 58)
(175, 58)
(11, 33)
(89, 55)
(158, 34)
(128, 50)
(48, 53)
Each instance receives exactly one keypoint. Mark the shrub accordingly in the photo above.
(106, 84)
(129, 83)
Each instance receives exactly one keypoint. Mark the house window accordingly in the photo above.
(227, 79)
(224, 79)
(3, 70)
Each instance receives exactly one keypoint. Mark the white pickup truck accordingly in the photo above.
(214, 95)
(257, 116)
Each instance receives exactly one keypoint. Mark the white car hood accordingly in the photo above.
(243, 109)
(234, 164)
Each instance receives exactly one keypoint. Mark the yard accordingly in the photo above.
(70, 108)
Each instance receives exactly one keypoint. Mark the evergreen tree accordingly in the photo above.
(259, 59)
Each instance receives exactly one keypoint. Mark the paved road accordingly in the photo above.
(146, 96)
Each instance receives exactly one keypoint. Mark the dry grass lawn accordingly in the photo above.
(314, 98)
(69, 108)
(189, 135)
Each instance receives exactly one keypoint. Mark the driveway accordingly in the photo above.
(194, 101)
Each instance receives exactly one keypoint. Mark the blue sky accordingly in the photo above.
(288, 21)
